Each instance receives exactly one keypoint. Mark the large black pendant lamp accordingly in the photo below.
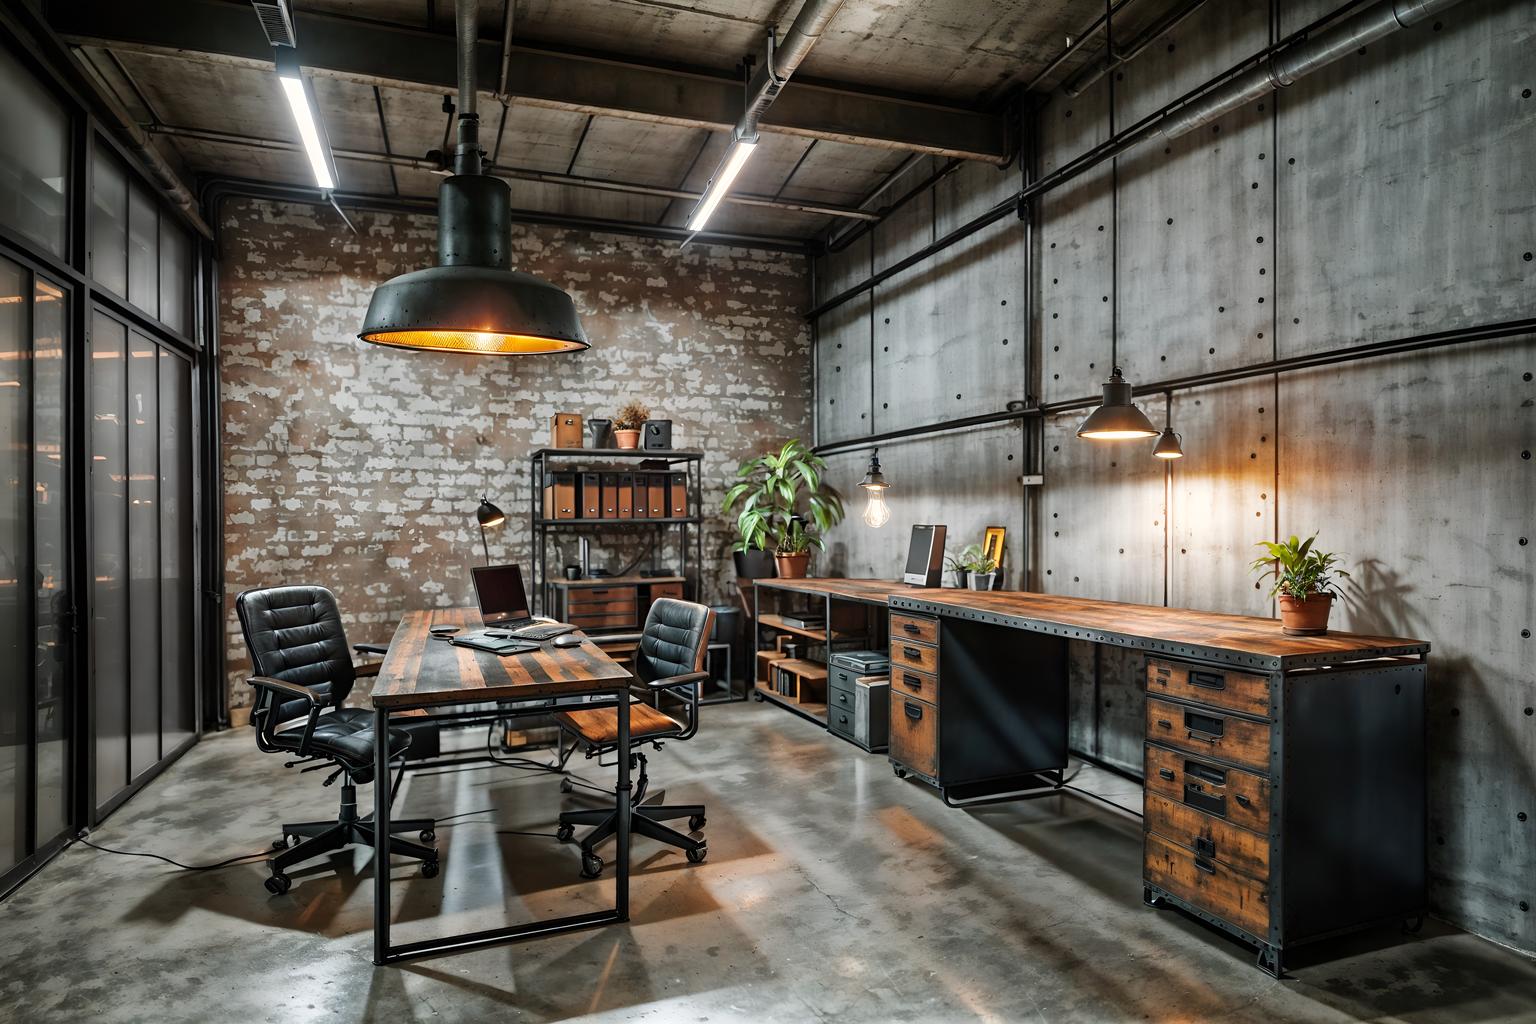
(472, 301)
(1118, 419)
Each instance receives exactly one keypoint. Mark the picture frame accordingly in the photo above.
(992, 544)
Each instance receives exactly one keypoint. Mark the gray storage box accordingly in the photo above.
(862, 663)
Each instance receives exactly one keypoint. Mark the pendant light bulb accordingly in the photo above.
(1118, 419)
(876, 512)
(1169, 446)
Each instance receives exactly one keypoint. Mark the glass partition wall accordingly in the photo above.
(100, 362)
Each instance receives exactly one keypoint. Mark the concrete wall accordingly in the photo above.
(1387, 196)
(360, 467)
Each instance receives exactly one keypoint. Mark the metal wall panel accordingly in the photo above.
(910, 226)
(1412, 468)
(1208, 42)
(1222, 494)
(1073, 248)
(843, 372)
(1408, 208)
(966, 479)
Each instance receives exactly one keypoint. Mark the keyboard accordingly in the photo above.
(541, 631)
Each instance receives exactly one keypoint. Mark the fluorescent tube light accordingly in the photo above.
(741, 149)
(304, 116)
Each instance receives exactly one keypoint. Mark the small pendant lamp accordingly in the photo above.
(1169, 446)
(877, 513)
(1118, 419)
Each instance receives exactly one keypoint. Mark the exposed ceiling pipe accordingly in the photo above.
(507, 15)
(1170, 20)
(1294, 62)
(1073, 45)
(783, 59)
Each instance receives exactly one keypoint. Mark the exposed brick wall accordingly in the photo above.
(360, 468)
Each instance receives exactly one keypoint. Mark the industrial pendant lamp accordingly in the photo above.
(1169, 446)
(472, 301)
(877, 513)
(1118, 419)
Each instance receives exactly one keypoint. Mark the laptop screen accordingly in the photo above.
(499, 589)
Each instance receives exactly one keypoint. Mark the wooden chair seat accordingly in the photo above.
(600, 726)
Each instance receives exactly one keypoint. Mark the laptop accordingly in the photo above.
(504, 610)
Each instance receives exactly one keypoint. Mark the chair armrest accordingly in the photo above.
(289, 691)
(670, 682)
(617, 638)
(371, 648)
(282, 689)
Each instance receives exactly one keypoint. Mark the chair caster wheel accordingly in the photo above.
(899, 771)
(278, 884)
(280, 843)
(758, 697)
(566, 787)
(429, 868)
(565, 833)
(697, 856)
(697, 823)
(1413, 925)
(427, 835)
(591, 865)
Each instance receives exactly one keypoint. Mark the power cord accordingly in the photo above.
(243, 858)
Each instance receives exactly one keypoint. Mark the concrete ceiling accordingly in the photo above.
(221, 114)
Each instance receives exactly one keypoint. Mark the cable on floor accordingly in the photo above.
(241, 859)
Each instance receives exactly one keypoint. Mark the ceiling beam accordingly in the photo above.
(374, 53)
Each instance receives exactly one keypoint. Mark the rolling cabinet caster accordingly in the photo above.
(427, 835)
(697, 856)
(899, 771)
(278, 884)
(591, 865)
(565, 833)
(1413, 925)
(429, 868)
(1269, 961)
(1150, 898)
(697, 823)
(758, 697)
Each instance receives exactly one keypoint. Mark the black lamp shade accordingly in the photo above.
(1118, 419)
(1169, 446)
(488, 514)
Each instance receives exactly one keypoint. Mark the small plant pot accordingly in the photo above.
(960, 577)
(792, 567)
(1305, 618)
(627, 438)
(753, 565)
(982, 580)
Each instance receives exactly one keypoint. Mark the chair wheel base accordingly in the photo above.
(591, 865)
(427, 835)
(697, 855)
(429, 868)
(278, 884)
(280, 843)
(697, 823)
(565, 833)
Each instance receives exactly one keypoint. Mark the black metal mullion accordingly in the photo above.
(28, 793)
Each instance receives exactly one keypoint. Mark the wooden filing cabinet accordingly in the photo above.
(974, 709)
(1285, 806)
(613, 604)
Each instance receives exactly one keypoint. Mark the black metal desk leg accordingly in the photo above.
(380, 835)
(621, 875)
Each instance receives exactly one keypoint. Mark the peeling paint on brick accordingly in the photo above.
(360, 468)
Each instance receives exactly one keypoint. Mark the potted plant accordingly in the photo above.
(957, 564)
(1303, 583)
(771, 490)
(980, 568)
(627, 423)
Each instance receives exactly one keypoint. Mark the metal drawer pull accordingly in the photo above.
(911, 627)
(1166, 773)
(842, 719)
(914, 711)
(916, 682)
(911, 652)
(1204, 727)
(1209, 869)
(842, 698)
(1244, 801)
(1162, 723)
(1164, 670)
(1209, 680)
(1205, 847)
(1204, 772)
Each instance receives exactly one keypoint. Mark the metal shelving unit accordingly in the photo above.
(690, 532)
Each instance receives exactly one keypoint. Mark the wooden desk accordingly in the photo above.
(423, 672)
(1285, 776)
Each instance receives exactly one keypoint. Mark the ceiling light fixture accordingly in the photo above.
(877, 513)
(1169, 446)
(301, 102)
(472, 301)
(1118, 419)
(741, 149)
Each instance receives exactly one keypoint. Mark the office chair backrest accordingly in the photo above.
(675, 639)
(295, 634)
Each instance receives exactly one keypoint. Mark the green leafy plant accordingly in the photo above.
(972, 560)
(632, 416)
(1299, 569)
(770, 489)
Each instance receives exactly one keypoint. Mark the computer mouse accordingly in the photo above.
(568, 640)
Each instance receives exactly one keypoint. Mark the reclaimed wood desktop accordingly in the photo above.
(422, 672)
(1284, 775)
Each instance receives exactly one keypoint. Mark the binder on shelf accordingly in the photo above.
(610, 495)
(591, 496)
(642, 500)
(625, 503)
(678, 494)
(560, 496)
(656, 507)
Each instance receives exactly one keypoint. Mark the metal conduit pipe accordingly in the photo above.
(466, 155)
(1075, 85)
(1295, 62)
(783, 59)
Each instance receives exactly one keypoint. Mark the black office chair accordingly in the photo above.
(669, 658)
(303, 676)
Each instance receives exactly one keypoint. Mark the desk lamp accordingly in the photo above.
(488, 515)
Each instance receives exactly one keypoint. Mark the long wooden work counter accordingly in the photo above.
(1284, 776)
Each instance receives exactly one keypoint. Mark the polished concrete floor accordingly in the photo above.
(833, 891)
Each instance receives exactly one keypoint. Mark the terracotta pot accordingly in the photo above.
(627, 438)
(792, 567)
(1305, 618)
